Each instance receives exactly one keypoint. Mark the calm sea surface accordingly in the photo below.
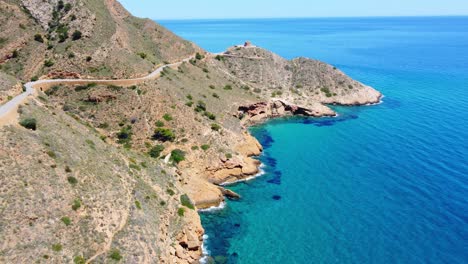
(378, 184)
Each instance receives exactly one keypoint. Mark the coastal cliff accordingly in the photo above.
(117, 171)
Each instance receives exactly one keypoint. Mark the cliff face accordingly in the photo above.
(128, 154)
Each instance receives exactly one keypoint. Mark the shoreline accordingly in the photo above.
(260, 169)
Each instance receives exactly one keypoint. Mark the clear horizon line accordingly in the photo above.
(312, 17)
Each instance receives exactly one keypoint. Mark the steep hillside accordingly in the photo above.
(82, 38)
(66, 194)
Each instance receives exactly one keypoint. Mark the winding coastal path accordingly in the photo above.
(8, 111)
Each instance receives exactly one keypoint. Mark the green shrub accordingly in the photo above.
(205, 147)
(212, 87)
(195, 147)
(167, 117)
(163, 134)
(205, 70)
(219, 58)
(211, 116)
(67, 169)
(177, 156)
(155, 151)
(215, 95)
(159, 123)
(79, 260)
(15, 54)
(228, 156)
(185, 201)
(198, 56)
(57, 247)
(76, 204)
(142, 55)
(115, 254)
(88, 58)
(215, 127)
(34, 78)
(66, 220)
(189, 104)
(350, 86)
(257, 90)
(200, 107)
(29, 123)
(138, 204)
(72, 180)
(52, 90)
(48, 63)
(170, 192)
(181, 211)
(67, 7)
(38, 38)
(51, 154)
(227, 87)
(125, 135)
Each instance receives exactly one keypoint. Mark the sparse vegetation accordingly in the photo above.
(76, 204)
(48, 63)
(79, 260)
(163, 134)
(170, 192)
(76, 35)
(29, 123)
(159, 123)
(115, 254)
(210, 116)
(72, 180)
(125, 136)
(57, 247)
(181, 211)
(66, 220)
(199, 56)
(138, 204)
(200, 107)
(205, 147)
(215, 127)
(185, 201)
(177, 156)
(38, 38)
(227, 87)
(167, 117)
(155, 151)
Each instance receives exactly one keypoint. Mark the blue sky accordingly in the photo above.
(189, 9)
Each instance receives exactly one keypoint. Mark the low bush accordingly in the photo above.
(181, 211)
(138, 204)
(200, 107)
(39, 38)
(72, 180)
(66, 220)
(227, 87)
(185, 201)
(115, 254)
(215, 127)
(76, 204)
(170, 192)
(29, 123)
(48, 63)
(57, 247)
(177, 156)
(211, 116)
(167, 117)
(155, 151)
(199, 56)
(125, 135)
(163, 134)
(159, 123)
(205, 147)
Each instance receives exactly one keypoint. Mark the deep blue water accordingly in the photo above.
(378, 184)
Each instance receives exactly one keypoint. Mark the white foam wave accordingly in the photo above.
(221, 206)
(260, 173)
(205, 252)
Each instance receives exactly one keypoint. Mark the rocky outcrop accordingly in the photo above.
(261, 111)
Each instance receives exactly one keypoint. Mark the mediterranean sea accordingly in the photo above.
(377, 184)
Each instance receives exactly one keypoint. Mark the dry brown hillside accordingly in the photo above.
(96, 38)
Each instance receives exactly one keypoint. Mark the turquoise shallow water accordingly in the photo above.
(378, 184)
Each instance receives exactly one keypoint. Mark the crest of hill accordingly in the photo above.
(97, 38)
